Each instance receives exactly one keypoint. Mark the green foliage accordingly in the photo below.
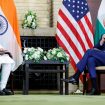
(30, 20)
(37, 54)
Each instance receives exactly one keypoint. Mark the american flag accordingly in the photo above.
(74, 29)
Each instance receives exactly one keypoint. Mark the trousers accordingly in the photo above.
(7, 65)
(91, 59)
(5, 73)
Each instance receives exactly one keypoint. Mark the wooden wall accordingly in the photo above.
(41, 7)
(94, 6)
(43, 10)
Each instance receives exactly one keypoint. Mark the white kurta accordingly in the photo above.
(6, 59)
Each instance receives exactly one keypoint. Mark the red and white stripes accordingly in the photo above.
(75, 37)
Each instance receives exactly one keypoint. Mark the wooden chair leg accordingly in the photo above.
(99, 84)
(11, 82)
(84, 83)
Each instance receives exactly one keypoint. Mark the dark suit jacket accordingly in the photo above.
(98, 46)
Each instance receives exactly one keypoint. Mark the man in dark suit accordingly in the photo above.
(91, 59)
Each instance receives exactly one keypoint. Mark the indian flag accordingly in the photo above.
(9, 32)
(100, 23)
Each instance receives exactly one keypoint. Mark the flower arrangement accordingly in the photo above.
(57, 54)
(30, 20)
(37, 54)
(32, 53)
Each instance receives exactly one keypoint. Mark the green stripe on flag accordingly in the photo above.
(99, 31)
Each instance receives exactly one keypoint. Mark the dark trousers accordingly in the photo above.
(91, 59)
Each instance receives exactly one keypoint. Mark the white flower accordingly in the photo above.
(59, 54)
(49, 56)
(38, 54)
(45, 58)
(54, 52)
(32, 17)
(32, 49)
(25, 50)
(35, 54)
(68, 57)
(30, 20)
(26, 57)
(29, 49)
(33, 25)
(40, 49)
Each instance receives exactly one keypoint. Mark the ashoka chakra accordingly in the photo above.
(3, 25)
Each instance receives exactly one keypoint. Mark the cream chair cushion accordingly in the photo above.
(100, 68)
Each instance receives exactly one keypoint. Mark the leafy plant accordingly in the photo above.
(37, 54)
(30, 20)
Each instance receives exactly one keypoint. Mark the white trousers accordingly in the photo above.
(7, 66)
(5, 73)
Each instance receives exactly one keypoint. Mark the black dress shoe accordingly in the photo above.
(71, 80)
(93, 92)
(7, 92)
(2, 93)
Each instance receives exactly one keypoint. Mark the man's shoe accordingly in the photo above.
(2, 93)
(93, 92)
(7, 92)
(71, 80)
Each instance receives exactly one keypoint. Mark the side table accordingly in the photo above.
(27, 70)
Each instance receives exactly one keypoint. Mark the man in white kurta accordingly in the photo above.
(7, 65)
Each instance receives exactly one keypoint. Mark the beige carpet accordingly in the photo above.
(53, 99)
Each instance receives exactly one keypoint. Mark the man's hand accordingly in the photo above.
(103, 37)
(102, 40)
(1, 49)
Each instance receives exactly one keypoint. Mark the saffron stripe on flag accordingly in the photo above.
(10, 39)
